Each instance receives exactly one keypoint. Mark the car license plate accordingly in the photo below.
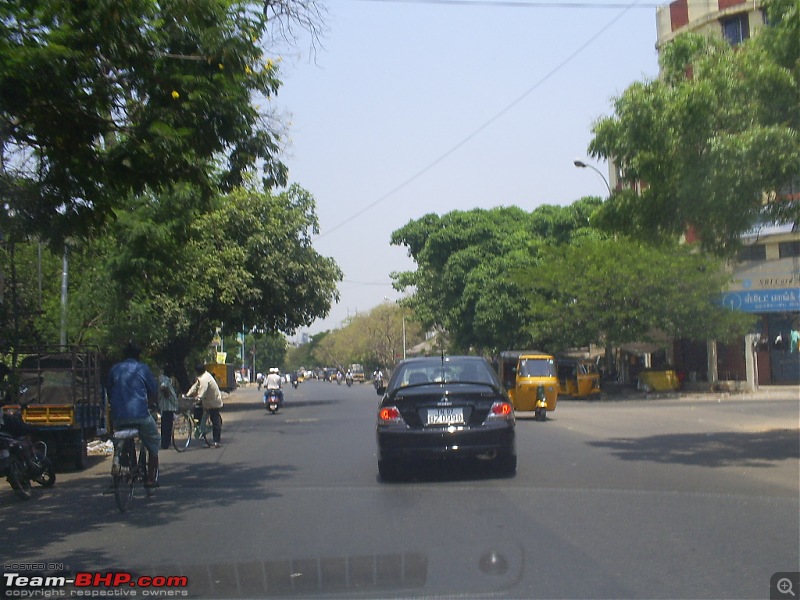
(445, 416)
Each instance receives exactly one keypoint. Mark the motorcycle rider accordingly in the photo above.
(348, 377)
(274, 382)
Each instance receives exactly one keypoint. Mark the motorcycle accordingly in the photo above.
(272, 400)
(349, 381)
(295, 383)
(23, 461)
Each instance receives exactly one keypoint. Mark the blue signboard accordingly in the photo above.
(763, 301)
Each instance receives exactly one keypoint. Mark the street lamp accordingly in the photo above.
(582, 165)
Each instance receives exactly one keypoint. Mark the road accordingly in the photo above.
(686, 497)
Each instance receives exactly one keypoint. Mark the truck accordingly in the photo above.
(58, 394)
(224, 374)
(358, 372)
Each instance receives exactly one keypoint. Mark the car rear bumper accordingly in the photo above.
(413, 444)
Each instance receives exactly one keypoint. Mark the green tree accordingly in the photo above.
(463, 259)
(250, 261)
(265, 350)
(619, 291)
(714, 142)
(100, 100)
(378, 335)
(169, 274)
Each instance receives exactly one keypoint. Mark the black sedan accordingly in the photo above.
(442, 408)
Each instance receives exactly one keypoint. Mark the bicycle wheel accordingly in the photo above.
(124, 479)
(208, 436)
(144, 456)
(18, 478)
(207, 430)
(182, 429)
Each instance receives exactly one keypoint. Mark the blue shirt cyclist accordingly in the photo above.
(131, 388)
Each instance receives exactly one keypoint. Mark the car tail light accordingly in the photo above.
(501, 410)
(389, 414)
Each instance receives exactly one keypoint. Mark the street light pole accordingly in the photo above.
(582, 165)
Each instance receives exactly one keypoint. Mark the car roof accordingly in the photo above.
(520, 353)
(428, 360)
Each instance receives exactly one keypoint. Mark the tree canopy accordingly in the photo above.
(100, 100)
(463, 259)
(714, 143)
(503, 278)
(617, 291)
(130, 136)
(374, 338)
(169, 275)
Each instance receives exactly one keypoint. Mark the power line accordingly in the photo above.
(486, 123)
(520, 4)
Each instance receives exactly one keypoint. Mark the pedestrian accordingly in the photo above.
(132, 388)
(167, 404)
(207, 391)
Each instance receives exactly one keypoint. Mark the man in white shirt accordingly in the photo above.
(274, 382)
(207, 391)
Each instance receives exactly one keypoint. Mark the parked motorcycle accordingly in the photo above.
(23, 461)
(272, 400)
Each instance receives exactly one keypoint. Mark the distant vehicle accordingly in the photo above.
(224, 374)
(357, 371)
(531, 380)
(451, 407)
(577, 377)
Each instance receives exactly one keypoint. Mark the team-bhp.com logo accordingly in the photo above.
(85, 584)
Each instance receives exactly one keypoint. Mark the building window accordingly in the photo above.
(753, 252)
(736, 29)
(787, 249)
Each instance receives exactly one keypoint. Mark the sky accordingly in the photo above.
(429, 106)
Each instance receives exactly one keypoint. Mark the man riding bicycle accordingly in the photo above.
(131, 389)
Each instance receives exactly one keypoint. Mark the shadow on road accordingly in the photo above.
(81, 505)
(713, 449)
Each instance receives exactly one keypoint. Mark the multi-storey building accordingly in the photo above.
(734, 20)
(767, 272)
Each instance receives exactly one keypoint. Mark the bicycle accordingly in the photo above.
(129, 466)
(185, 427)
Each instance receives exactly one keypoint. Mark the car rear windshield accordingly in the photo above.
(449, 371)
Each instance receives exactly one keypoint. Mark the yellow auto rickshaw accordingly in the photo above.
(530, 377)
(577, 377)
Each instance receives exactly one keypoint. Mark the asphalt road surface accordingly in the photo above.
(684, 497)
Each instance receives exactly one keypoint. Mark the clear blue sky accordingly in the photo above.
(413, 107)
